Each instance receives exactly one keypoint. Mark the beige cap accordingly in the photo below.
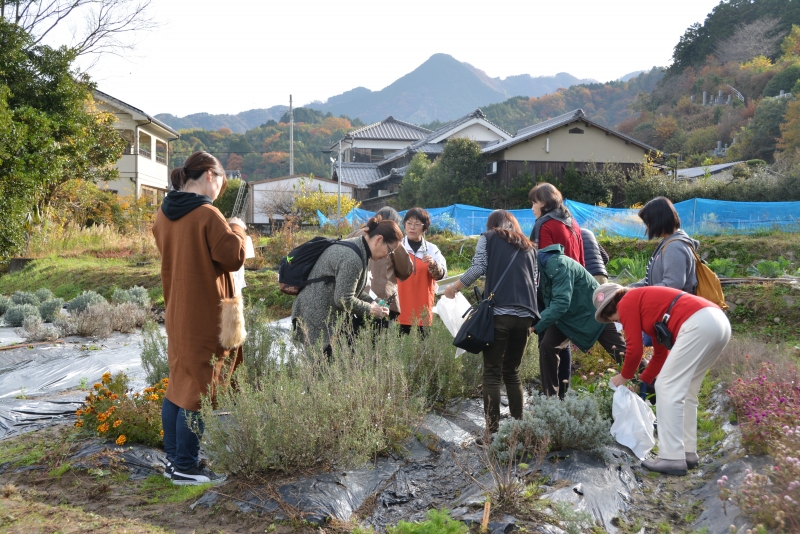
(601, 297)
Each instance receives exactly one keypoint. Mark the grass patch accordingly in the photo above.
(770, 312)
(22, 454)
(158, 489)
(58, 472)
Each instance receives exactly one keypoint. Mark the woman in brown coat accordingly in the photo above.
(199, 251)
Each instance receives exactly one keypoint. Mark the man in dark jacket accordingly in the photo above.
(595, 258)
(567, 290)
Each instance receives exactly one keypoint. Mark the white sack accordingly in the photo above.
(633, 421)
(451, 311)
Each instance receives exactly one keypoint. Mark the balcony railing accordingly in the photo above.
(145, 152)
(161, 159)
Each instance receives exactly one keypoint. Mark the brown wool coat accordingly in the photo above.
(198, 253)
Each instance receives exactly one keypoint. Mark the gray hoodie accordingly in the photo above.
(672, 264)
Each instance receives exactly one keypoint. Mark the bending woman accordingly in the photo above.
(199, 251)
(514, 308)
(700, 331)
(318, 306)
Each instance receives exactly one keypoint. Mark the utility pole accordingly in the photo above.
(291, 137)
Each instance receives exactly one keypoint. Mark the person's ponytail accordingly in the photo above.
(193, 168)
(388, 229)
(178, 178)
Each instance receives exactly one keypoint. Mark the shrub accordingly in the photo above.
(112, 412)
(127, 317)
(772, 499)
(772, 269)
(25, 297)
(306, 410)
(573, 423)
(765, 404)
(154, 353)
(43, 294)
(34, 330)
(84, 300)
(67, 324)
(16, 314)
(137, 295)
(50, 309)
(723, 266)
(437, 522)
(5, 302)
(95, 321)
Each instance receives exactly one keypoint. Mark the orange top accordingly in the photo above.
(416, 294)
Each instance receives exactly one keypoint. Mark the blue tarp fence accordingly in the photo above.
(698, 217)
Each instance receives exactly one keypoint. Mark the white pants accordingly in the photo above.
(697, 346)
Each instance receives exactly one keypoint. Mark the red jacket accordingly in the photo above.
(639, 310)
(555, 232)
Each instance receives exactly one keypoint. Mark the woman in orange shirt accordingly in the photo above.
(417, 292)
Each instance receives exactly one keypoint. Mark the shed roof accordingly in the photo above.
(358, 174)
(540, 128)
(394, 172)
(696, 172)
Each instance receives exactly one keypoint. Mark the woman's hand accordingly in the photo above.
(619, 380)
(427, 258)
(450, 291)
(237, 221)
(378, 311)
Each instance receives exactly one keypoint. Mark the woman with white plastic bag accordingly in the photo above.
(689, 333)
(633, 421)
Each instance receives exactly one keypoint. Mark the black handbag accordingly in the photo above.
(663, 334)
(477, 332)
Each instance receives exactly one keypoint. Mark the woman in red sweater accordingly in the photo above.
(555, 226)
(700, 330)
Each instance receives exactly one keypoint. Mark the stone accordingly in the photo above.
(788, 300)
(777, 320)
(739, 302)
(731, 306)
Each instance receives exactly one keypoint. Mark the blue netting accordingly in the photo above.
(698, 217)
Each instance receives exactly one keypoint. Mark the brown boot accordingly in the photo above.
(669, 467)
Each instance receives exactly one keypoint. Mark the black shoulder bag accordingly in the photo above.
(663, 334)
(477, 332)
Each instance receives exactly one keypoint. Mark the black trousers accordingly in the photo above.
(554, 340)
(501, 363)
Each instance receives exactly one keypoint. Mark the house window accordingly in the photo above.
(127, 136)
(152, 195)
(576, 131)
(491, 167)
(361, 155)
(145, 145)
(161, 152)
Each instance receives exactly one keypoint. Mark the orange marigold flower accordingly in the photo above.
(111, 409)
(153, 397)
(102, 428)
(114, 396)
(121, 440)
(165, 380)
(101, 417)
(136, 394)
(106, 377)
(98, 385)
(117, 423)
(162, 433)
(79, 413)
(79, 424)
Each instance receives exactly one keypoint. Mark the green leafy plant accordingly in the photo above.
(50, 309)
(15, 315)
(617, 265)
(84, 300)
(154, 352)
(723, 266)
(5, 302)
(771, 268)
(43, 294)
(437, 522)
(25, 297)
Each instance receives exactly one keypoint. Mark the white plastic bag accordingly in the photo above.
(451, 311)
(633, 421)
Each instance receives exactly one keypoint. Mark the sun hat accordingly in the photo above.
(601, 298)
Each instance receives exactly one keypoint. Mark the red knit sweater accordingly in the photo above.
(639, 310)
(554, 232)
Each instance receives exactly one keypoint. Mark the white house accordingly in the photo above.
(143, 167)
(271, 198)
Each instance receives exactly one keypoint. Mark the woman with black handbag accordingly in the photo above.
(689, 333)
(508, 260)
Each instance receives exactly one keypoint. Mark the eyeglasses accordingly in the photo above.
(413, 224)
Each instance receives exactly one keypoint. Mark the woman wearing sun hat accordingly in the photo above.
(700, 330)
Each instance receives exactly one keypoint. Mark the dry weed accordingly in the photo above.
(127, 317)
(744, 355)
(95, 321)
(8, 490)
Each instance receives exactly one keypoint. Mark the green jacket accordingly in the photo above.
(567, 290)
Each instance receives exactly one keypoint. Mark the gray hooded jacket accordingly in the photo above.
(672, 264)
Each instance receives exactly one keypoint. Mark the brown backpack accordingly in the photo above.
(708, 284)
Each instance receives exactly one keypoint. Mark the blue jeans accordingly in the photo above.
(181, 444)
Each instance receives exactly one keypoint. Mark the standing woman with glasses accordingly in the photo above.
(418, 291)
(199, 252)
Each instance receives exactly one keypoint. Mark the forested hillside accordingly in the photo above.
(263, 152)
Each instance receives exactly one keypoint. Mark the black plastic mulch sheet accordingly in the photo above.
(140, 460)
(33, 381)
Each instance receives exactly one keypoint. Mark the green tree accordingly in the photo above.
(412, 181)
(758, 139)
(226, 201)
(51, 132)
(457, 177)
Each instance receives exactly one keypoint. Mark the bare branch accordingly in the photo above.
(759, 38)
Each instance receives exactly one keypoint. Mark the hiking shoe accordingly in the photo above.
(168, 469)
(195, 476)
(692, 460)
(669, 467)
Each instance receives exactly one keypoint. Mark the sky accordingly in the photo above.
(236, 55)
